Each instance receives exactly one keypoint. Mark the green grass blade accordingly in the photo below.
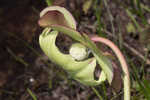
(145, 7)
(146, 88)
(49, 2)
(32, 94)
(110, 16)
(19, 59)
(98, 13)
(97, 93)
(143, 84)
(134, 21)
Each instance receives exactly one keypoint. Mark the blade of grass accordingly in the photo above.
(144, 62)
(114, 98)
(145, 7)
(139, 11)
(97, 93)
(134, 21)
(143, 84)
(147, 86)
(98, 12)
(104, 89)
(119, 36)
(32, 94)
(49, 2)
(19, 59)
(110, 17)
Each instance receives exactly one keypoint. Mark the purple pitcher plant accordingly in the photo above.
(77, 63)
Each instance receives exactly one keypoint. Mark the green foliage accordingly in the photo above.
(87, 5)
(141, 85)
(49, 2)
(32, 94)
(133, 19)
(98, 14)
(130, 28)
